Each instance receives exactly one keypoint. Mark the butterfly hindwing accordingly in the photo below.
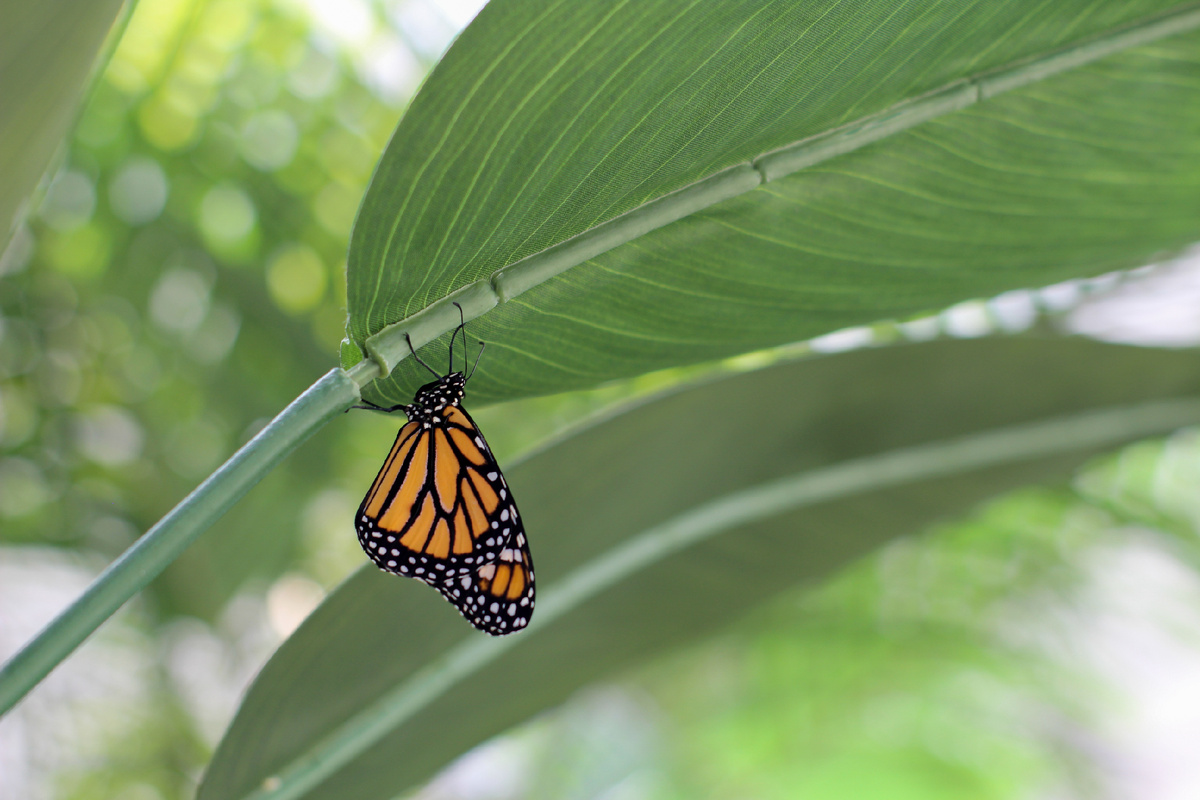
(440, 507)
(498, 598)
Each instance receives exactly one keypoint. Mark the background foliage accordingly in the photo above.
(182, 280)
(185, 283)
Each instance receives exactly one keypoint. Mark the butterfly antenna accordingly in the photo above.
(476, 364)
(408, 339)
(462, 326)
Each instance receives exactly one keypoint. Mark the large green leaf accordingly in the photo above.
(666, 522)
(47, 51)
(619, 187)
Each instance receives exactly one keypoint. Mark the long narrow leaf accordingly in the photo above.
(617, 187)
(670, 520)
(48, 48)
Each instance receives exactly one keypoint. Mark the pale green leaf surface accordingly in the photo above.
(547, 119)
(47, 51)
(667, 521)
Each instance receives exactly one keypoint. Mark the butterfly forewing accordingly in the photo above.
(498, 598)
(439, 507)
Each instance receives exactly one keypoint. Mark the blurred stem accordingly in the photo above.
(150, 555)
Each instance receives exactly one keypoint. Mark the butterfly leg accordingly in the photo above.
(373, 407)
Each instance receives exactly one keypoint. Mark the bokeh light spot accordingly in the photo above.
(296, 278)
(269, 140)
(226, 23)
(460, 12)
(179, 301)
(391, 69)
(323, 526)
(289, 600)
(80, 253)
(315, 76)
(425, 27)
(215, 337)
(352, 22)
(967, 320)
(138, 193)
(227, 215)
(166, 124)
(150, 38)
(109, 435)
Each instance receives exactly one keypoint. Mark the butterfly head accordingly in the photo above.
(436, 395)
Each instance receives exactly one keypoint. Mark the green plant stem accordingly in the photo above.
(162, 544)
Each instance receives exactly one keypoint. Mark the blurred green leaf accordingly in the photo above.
(47, 52)
(597, 170)
(119, 302)
(753, 483)
(900, 672)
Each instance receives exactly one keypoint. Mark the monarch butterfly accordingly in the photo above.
(440, 510)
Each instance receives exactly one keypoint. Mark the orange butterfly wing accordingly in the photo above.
(498, 598)
(439, 507)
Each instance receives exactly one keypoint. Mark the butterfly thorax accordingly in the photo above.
(432, 398)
